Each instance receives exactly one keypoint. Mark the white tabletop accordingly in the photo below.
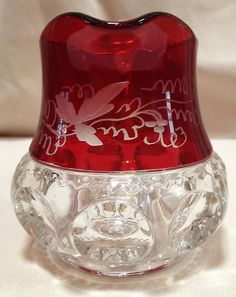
(26, 272)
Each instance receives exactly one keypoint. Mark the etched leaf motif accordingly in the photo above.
(98, 104)
(131, 117)
(87, 134)
(99, 113)
(65, 110)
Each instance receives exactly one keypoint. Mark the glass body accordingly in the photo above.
(119, 96)
(120, 178)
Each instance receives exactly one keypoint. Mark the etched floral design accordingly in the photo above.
(92, 108)
(86, 121)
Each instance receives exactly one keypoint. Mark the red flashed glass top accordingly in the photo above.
(119, 95)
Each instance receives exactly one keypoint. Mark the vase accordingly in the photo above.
(120, 178)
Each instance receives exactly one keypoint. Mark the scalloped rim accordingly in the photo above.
(122, 23)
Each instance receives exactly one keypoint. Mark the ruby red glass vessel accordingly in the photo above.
(120, 177)
(119, 96)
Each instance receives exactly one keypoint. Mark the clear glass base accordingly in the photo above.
(120, 224)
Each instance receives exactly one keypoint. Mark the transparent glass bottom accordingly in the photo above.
(120, 224)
